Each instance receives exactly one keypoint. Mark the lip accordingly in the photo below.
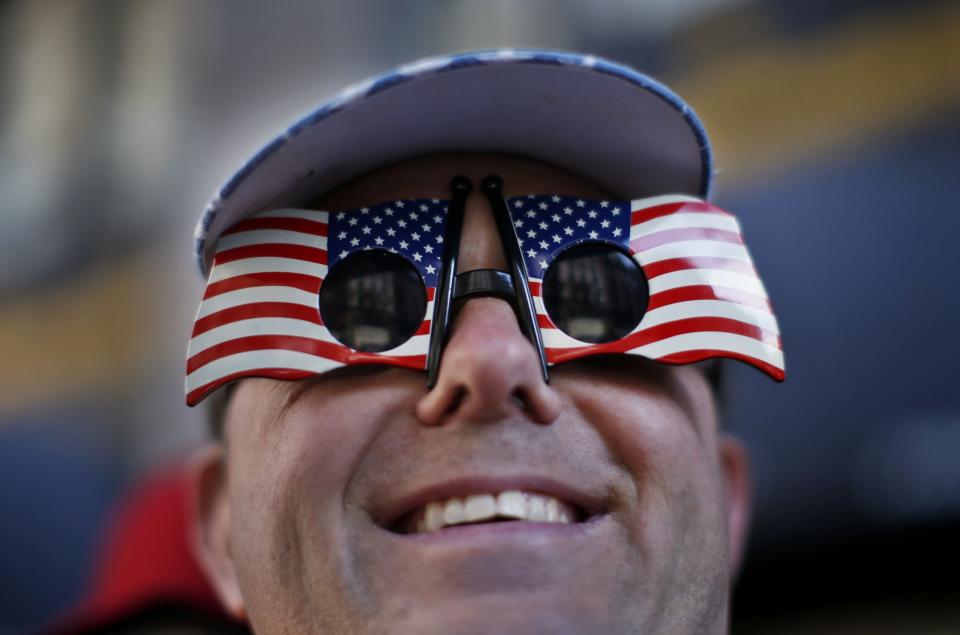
(591, 504)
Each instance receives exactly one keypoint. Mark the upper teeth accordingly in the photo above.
(479, 507)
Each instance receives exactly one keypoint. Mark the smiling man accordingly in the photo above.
(466, 315)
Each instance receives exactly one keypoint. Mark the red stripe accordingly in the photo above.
(301, 225)
(431, 291)
(666, 209)
(708, 292)
(271, 250)
(663, 331)
(302, 281)
(688, 357)
(642, 243)
(257, 310)
(196, 395)
(654, 269)
(308, 345)
(415, 362)
(535, 287)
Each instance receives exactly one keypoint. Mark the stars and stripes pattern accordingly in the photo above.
(706, 299)
(260, 314)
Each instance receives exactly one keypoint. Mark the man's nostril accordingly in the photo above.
(457, 398)
(519, 398)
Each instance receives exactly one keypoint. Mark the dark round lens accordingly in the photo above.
(595, 293)
(373, 300)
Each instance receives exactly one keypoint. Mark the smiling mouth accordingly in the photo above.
(512, 506)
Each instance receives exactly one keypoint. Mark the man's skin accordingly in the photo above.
(294, 501)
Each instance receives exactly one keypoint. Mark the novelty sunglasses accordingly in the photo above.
(294, 293)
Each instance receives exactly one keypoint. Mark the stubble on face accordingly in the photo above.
(311, 463)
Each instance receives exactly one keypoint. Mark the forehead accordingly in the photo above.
(429, 177)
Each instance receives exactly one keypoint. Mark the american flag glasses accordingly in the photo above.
(294, 293)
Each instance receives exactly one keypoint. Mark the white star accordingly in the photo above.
(532, 253)
(437, 219)
(400, 204)
(434, 200)
(567, 211)
(556, 238)
(518, 223)
(352, 221)
(604, 223)
(580, 203)
(343, 254)
(531, 213)
(544, 244)
(616, 232)
(543, 205)
(593, 235)
(365, 229)
(424, 208)
(532, 233)
(604, 204)
(340, 216)
(414, 216)
(556, 218)
(568, 231)
(555, 198)
(520, 241)
(393, 250)
(377, 220)
(415, 236)
(543, 225)
(342, 235)
(592, 213)
(391, 231)
(439, 238)
(616, 211)
(403, 244)
(364, 210)
(518, 203)
(543, 264)
(431, 269)
(428, 249)
(426, 227)
(417, 257)
(354, 242)
(378, 240)
(401, 223)
(388, 212)
(581, 222)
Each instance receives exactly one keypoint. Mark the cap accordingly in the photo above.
(604, 121)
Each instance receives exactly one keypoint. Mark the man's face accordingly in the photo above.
(311, 518)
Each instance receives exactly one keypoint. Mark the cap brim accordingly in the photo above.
(606, 122)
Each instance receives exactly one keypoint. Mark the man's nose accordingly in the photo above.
(489, 371)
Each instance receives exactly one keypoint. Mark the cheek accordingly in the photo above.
(675, 498)
(288, 499)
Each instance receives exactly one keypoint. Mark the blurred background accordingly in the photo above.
(836, 127)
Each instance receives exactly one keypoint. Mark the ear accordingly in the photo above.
(211, 539)
(735, 463)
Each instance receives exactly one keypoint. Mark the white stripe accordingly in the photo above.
(694, 249)
(256, 294)
(247, 266)
(685, 221)
(709, 308)
(268, 236)
(645, 203)
(258, 326)
(416, 345)
(251, 360)
(712, 341)
(710, 277)
(306, 214)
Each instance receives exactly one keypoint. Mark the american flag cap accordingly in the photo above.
(618, 128)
